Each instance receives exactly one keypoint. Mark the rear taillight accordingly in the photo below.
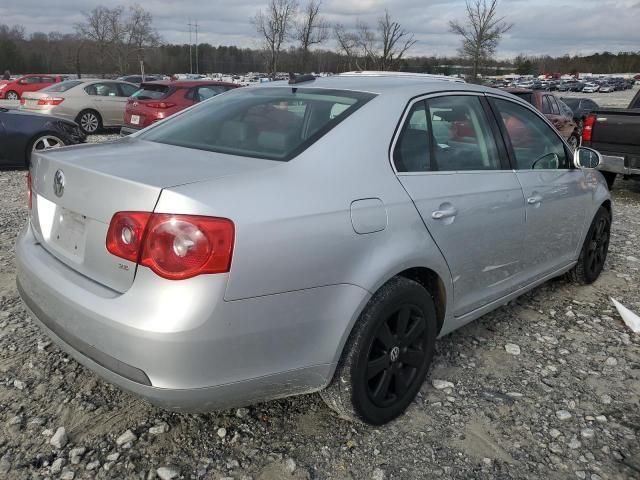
(50, 101)
(29, 191)
(587, 128)
(173, 246)
(160, 104)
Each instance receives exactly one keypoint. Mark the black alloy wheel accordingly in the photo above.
(598, 246)
(397, 352)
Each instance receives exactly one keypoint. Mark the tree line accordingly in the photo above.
(294, 37)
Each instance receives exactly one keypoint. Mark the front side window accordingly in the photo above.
(446, 134)
(262, 122)
(535, 144)
(127, 90)
(32, 80)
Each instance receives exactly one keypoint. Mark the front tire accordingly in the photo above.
(594, 250)
(387, 356)
(11, 95)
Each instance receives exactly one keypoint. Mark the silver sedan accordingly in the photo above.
(92, 104)
(314, 236)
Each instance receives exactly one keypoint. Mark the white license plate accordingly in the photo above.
(68, 232)
(135, 119)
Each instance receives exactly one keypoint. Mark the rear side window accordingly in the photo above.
(152, 92)
(102, 89)
(535, 144)
(261, 122)
(448, 133)
(127, 90)
(62, 86)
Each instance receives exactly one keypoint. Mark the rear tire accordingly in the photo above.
(594, 250)
(610, 177)
(387, 356)
(43, 141)
(89, 121)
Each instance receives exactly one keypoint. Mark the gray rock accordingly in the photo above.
(56, 466)
(512, 348)
(563, 415)
(441, 384)
(378, 474)
(67, 475)
(611, 362)
(587, 433)
(606, 399)
(93, 465)
(75, 455)
(222, 432)
(19, 384)
(290, 465)
(242, 412)
(126, 437)
(5, 464)
(168, 473)
(113, 457)
(159, 428)
(59, 439)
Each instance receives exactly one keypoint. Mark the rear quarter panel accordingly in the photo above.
(293, 221)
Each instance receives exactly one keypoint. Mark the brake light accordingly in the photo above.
(173, 246)
(587, 128)
(160, 104)
(29, 191)
(48, 101)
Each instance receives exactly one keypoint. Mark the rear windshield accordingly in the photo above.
(62, 86)
(528, 96)
(152, 92)
(262, 122)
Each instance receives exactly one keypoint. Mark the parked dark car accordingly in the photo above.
(23, 133)
(158, 100)
(615, 133)
(548, 104)
(581, 108)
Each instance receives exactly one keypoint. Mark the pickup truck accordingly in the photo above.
(615, 133)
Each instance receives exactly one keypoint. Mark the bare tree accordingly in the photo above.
(348, 45)
(367, 42)
(97, 28)
(481, 32)
(312, 29)
(395, 41)
(132, 35)
(274, 26)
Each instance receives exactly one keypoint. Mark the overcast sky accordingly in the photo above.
(553, 27)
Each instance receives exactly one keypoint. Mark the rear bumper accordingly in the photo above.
(191, 350)
(617, 164)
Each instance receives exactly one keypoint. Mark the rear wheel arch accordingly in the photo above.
(607, 205)
(433, 284)
(36, 137)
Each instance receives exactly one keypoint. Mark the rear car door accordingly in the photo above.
(556, 193)
(447, 158)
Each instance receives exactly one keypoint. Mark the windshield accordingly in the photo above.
(152, 92)
(261, 122)
(62, 86)
(528, 96)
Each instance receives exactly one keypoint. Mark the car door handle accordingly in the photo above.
(446, 213)
(533, 200)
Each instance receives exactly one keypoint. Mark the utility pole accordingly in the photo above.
(197, 64)
(190, 43)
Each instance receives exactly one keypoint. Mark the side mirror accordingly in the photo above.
(585, 157)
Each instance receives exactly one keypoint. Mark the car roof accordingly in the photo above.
(411, 85)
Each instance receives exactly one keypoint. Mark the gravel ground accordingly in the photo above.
(619, 99)
(545, 387)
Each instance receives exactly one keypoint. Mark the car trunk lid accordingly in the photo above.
(77, 190)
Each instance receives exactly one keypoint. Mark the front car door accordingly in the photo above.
(556, 193)
(447, 158)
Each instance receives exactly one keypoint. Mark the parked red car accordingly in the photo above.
(554, 109)
(14, 89)
(157, 100)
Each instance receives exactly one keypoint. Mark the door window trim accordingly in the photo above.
(505, 164)
(507, 140)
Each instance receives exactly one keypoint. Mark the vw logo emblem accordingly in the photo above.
(394, 354)
(58, 183)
